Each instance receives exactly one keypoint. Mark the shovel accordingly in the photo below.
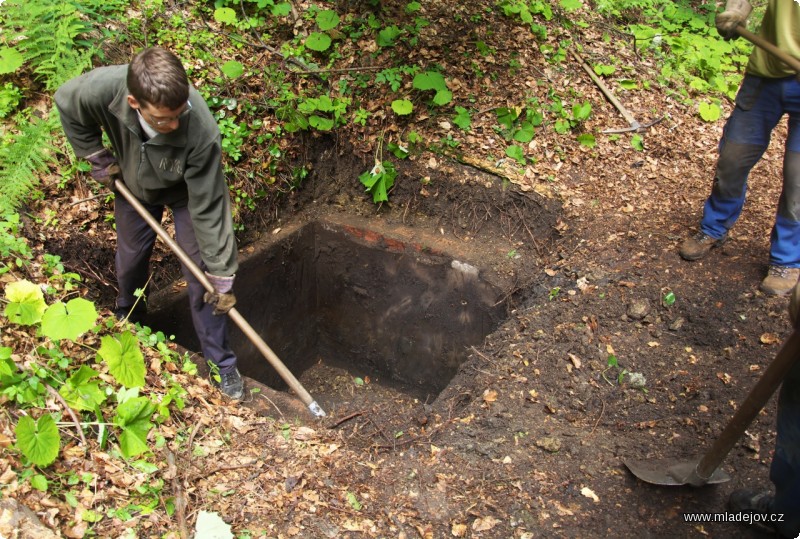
(759, 41)
(246, 328)
(703, 471)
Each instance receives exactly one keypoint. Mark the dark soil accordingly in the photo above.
(529, 438)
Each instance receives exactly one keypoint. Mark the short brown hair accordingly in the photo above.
(157, 77)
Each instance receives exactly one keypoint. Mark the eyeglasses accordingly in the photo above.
(166, 121)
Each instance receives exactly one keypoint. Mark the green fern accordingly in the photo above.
(46, 32)
(22, 157)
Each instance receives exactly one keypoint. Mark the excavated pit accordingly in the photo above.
(331, 295)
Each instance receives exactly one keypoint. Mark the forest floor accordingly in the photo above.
(529, 438)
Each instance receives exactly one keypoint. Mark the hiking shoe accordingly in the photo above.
(780, 280)
(231, 384)
(699, 245)
(756, 504)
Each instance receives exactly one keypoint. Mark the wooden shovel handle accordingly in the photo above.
(752, 405)
(759, 41)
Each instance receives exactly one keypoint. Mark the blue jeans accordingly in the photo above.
(135, 240)
(760, 104)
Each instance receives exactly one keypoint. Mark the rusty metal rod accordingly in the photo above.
(246, 328)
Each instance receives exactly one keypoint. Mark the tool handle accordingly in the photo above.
(759, 41)
(752, 405)
(234, 315)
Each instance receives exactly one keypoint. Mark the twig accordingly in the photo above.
(180, 498)
(98, 195)
(77, 423)
(274, 406)
(347, 418)
(602, 410)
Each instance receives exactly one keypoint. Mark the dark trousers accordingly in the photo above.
(135, 240)
(785, 470)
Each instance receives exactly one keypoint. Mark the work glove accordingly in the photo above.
(735, 13)
(222, 298)
(794, 305)
(105, 169)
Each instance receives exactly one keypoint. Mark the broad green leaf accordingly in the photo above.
(517, 153)
(506, 116)
(317, 41)
(628, 84)
(561, 126)
(38, 440)
(525, 133)
(413, 7)
(69, 321)
(80, 392)
(709, 112)
(232, 69)
(327, 19)
(39, 482)
(571, 5)
(402, 107)
(637, 141)
(225, 15)
(10, 60)
(443, 97)
(320, 122)
(587, 139)
(25, 303)
(582, 111)
(124, 358)
(462, 118)
(388, 35)
(604, 70)
(325, 103)
(282, 9)
(429, 80)
(133, 417)
(353, 501)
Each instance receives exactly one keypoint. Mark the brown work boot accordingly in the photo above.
(780, 280)
(699, 245)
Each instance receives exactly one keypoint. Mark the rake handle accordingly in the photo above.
(234, 315)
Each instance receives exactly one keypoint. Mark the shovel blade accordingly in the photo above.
(672, 472)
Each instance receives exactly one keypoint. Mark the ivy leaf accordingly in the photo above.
(68, 321)
(232, 69)
(25, 303)
(327, 19)
(402, 107)
(225, 15)
(124, 358)
(133, 417)
(80, 392)
(38, 440)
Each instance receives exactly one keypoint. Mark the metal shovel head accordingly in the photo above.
(672, 472)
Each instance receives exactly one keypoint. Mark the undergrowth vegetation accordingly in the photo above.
(270, 74)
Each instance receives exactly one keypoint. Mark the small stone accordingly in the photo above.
(549, 443)
(638, 309)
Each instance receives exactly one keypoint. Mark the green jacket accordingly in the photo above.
(179, 168)
(781, 27)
